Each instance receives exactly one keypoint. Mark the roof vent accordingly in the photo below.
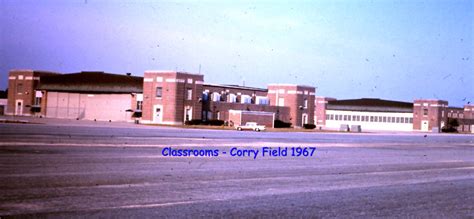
(128, 73)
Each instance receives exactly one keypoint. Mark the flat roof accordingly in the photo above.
(92, 82)
(370, 105)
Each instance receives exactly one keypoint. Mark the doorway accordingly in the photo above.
(157, 114)
(424, 125)
(304, 120)
(19, 108)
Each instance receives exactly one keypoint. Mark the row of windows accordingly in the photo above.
(232, 98)
(189, 93)
(386, 119)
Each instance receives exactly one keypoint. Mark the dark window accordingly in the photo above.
(159, 92)
(139, 105)
(38, 101)
(425, 112)
(19, 88)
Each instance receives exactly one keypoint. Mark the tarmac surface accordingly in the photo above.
(111, 170)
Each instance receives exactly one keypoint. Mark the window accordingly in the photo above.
(389, 119)
(190, 94)
(19, 88)
(159, 92)
(384, 119)
(353, 118)
(327, 117)
(345, 117)
(260, 100)
(376, 118)
(205, 96)
(398, 120)
(442, 114)
(461, 115)
(380, 118)
(38, 101)
(232, 98)
(281, 102)
(245, 99)
(411, 120)
(449, 114)
(425, 112)
(349, 117)
(337, 117)
(216, 97)
(139, 105)
(305, 103)
(371, 118)
(332, 117)
(363, 118)
(406, 119)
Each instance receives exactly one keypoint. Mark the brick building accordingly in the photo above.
(171, 97)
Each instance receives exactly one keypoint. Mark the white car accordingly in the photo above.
(250, 126)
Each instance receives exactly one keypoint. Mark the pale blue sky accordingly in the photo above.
(398, 50)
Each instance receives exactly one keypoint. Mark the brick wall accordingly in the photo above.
(432, 112)
(294, 97)
(174, 100)
(320, 110)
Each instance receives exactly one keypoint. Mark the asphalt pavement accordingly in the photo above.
(53, 170)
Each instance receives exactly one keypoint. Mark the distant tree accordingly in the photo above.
(453, 122)
(4, 94)
(452, 125)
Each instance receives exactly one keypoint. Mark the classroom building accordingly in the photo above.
(172, 98)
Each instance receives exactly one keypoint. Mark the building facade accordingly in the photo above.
(172, 98)
(387, 115)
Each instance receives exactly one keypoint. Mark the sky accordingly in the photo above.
(396, 50)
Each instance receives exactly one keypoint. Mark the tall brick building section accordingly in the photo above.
(171, 97)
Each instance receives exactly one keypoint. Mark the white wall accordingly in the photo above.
(102, 107)
(367, 125)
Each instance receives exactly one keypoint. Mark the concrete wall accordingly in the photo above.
(332, 123)
(101, 107)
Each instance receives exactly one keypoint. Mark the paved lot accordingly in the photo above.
(119, 171)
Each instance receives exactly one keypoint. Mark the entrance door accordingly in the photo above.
(424, 125)
(304, 119)
(157, 114)
(19, 107)
(188, 114)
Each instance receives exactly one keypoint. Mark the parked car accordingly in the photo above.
(250, 126)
